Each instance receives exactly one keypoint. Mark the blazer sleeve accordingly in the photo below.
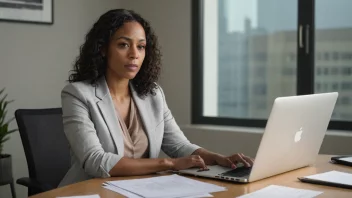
(82, 136)
(175, 144)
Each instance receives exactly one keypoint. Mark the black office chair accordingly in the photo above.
(46, 148)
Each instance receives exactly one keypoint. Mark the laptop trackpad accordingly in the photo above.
(238, 172)
(213, 170)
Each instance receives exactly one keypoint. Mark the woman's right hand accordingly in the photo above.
(188, 162)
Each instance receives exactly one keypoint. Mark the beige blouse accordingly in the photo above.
(134, 137)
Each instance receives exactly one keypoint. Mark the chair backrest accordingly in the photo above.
(45, 145)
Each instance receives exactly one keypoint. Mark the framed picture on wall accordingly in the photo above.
(29, 11)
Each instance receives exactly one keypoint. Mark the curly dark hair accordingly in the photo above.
(91, 65)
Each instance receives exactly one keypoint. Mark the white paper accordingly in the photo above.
(167, 186)
(347, 159)
(274, 191)
(83, 196)
(200, 196)
(334, 177)
(121, 191)
(132, 195)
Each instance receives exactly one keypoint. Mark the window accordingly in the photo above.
(335, 86)
(346, 86)
(327, 56)
(335, 56)
(333, 31)
(346, 71)
(259, 89)
(334, 70)
(247, 52)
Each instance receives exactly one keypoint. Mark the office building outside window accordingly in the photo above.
(250, 55)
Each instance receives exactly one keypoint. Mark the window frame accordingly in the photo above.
(305, 67)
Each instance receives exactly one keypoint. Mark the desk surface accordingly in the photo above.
(289, 179)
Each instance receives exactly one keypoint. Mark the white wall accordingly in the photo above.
(172, 23)
(35, 61)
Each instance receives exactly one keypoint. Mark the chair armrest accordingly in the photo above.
(34, 184)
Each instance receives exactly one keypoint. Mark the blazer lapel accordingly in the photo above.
(106, 107)
(145, 111)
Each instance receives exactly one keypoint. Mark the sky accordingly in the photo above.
(238, 10)
(278, 15)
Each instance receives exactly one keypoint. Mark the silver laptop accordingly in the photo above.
(292, 138)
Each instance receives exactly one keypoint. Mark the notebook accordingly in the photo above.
(331, 178)
(344, 160)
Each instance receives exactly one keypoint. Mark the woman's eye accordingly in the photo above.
(123, 45)
(141, 47)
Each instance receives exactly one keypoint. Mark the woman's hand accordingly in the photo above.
(234, 159)
(188, 162)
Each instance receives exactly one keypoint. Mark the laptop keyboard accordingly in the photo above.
(238, 172)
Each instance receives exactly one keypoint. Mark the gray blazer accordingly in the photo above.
(96, 138)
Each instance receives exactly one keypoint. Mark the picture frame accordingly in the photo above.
(27, 11)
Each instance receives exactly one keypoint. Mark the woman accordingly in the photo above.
(115, 116)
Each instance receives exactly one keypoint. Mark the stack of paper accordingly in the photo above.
(162, 187)
(331, 177)
(274, 191)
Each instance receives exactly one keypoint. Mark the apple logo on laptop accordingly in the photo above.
(298, 135)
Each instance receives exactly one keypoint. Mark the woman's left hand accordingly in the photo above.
(234, 159)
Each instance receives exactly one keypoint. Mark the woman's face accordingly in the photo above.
(126, 51)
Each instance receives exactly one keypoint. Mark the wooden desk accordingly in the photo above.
(289, 179)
